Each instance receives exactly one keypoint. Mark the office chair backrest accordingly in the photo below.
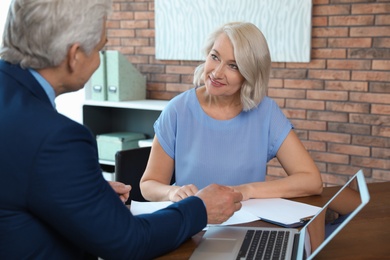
(129, 167)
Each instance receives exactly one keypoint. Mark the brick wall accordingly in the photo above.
(339, 102)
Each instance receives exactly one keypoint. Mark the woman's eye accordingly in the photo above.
(234, 66)
(214, 57)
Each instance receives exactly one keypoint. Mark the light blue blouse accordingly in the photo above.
(227, 152)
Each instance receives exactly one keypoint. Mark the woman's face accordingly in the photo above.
(222, 77)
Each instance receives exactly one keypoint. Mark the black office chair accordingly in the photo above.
(129, 167)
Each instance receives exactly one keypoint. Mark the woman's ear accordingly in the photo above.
(73, 56)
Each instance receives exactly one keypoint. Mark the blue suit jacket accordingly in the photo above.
(54, 202)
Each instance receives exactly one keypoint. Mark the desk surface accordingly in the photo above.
(367, 236)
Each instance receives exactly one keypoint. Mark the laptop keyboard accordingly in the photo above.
(264, 244)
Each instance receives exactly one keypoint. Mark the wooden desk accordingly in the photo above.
(367, 236)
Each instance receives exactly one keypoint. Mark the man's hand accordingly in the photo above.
(121, 189)
(221, 202)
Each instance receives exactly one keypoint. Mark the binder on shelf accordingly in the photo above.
(99, 81)
(124, 81)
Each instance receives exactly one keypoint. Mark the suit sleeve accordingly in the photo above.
(68, 192)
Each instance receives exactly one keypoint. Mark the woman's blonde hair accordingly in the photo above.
(252, 57)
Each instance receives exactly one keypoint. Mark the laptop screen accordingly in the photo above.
(335, 215)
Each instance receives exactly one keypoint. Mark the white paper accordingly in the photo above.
(279, 210)
(282, 211)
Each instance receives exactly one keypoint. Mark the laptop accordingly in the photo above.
(233, 242)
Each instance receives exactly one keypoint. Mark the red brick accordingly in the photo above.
(313, 64)
(380, 87)
(305, 104)
(113, 33)
(303, 84)
(288, 73)
(330, 137)
(330, 157)
(371, 141)
(152, 68)
(370, 162)
(371, 75)
(145, 50)
(327, 116)
(129, 51)
(134, 24)
(320, 2)
(346, 169)
(348, 107)
(347, 85)
(369, 119)
(370, 8)
(329, 74)
(180, 69)
(314, 146)
(295, 113)
(370, 97)
(373, 31)
(165, 78)
(302, 134)
(381, 65)
(319, 21)
(351, 20)
(135, 42)
(349, 149)
(349, 64)
(369, 53)
(110, 24)
(349, 42)
(327, 95)
(280, 65)
(330, 10)
(319, 42)
(329, 53)
(381, 42)
(329, 32)
(134, 6)
(381, 131)
(275, 83)
(121, 16)
(381, 153)
(380, 109)
(382, 175)
(348, 128)
(148, 33)
(113, 42)
(334, 179)
(156, 86)
(382, 19)
(144, 15)
(286, 93)
(309, 125)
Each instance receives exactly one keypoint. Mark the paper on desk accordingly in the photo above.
(282, 212)
(138, 208)
(238, 217)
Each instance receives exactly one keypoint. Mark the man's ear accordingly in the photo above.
(73, 56)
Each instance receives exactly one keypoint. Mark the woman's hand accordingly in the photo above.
(176, 193)
(121, 189)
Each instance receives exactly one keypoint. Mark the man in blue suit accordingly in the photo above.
(54, 202)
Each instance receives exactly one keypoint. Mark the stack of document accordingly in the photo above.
(282, 212)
